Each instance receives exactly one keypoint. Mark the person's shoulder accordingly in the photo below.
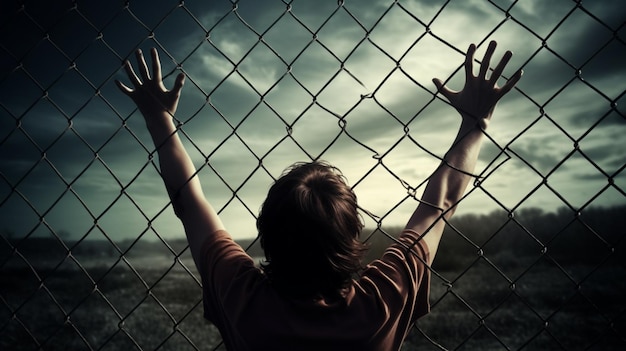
(401, 265)
(408, 246)
(216, 239)
(219, 248)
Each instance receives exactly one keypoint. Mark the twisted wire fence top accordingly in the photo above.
(92, 256)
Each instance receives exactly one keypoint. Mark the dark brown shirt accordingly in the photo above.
(376, 313)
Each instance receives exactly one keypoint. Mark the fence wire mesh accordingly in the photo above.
(92, 258)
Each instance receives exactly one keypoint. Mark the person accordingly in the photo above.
(312, 292)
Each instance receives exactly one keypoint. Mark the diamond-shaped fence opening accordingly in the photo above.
(92, 256)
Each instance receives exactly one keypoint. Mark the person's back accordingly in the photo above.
(311, 292)
(373, 312)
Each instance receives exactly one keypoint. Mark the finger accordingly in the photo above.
(178, 84)
(484, 66)
(143, 67)
(511, 83)
(438, 84)
(469, 61)
(156, 65)
(131, 74)
(442, 88)
(126, 90)
(497, 72)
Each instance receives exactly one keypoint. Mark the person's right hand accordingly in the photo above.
(478, 98)
(151, 96)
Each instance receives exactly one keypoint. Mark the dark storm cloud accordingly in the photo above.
(606, 154)
(602, 115)
(544, 151)
(577, 42)
(592, 177)
(588, 40)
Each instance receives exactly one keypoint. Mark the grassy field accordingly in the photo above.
(490, 299)
(481, 310)
(146, 306)
(542, 309)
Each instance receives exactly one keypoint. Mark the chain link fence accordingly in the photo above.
(91, 256)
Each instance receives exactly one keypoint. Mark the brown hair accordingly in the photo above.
(309, 228)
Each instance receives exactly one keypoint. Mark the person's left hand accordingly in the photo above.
(151, 97)
(478, 98)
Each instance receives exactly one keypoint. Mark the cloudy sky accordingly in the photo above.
(271, 83)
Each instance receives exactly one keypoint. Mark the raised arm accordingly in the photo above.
(476, 103)
(158, 105)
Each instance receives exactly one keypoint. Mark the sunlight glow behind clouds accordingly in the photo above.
(302, 98)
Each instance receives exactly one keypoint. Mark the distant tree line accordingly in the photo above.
(591, 235)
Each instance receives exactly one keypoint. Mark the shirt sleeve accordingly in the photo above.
(223, 263)
(401, 282)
